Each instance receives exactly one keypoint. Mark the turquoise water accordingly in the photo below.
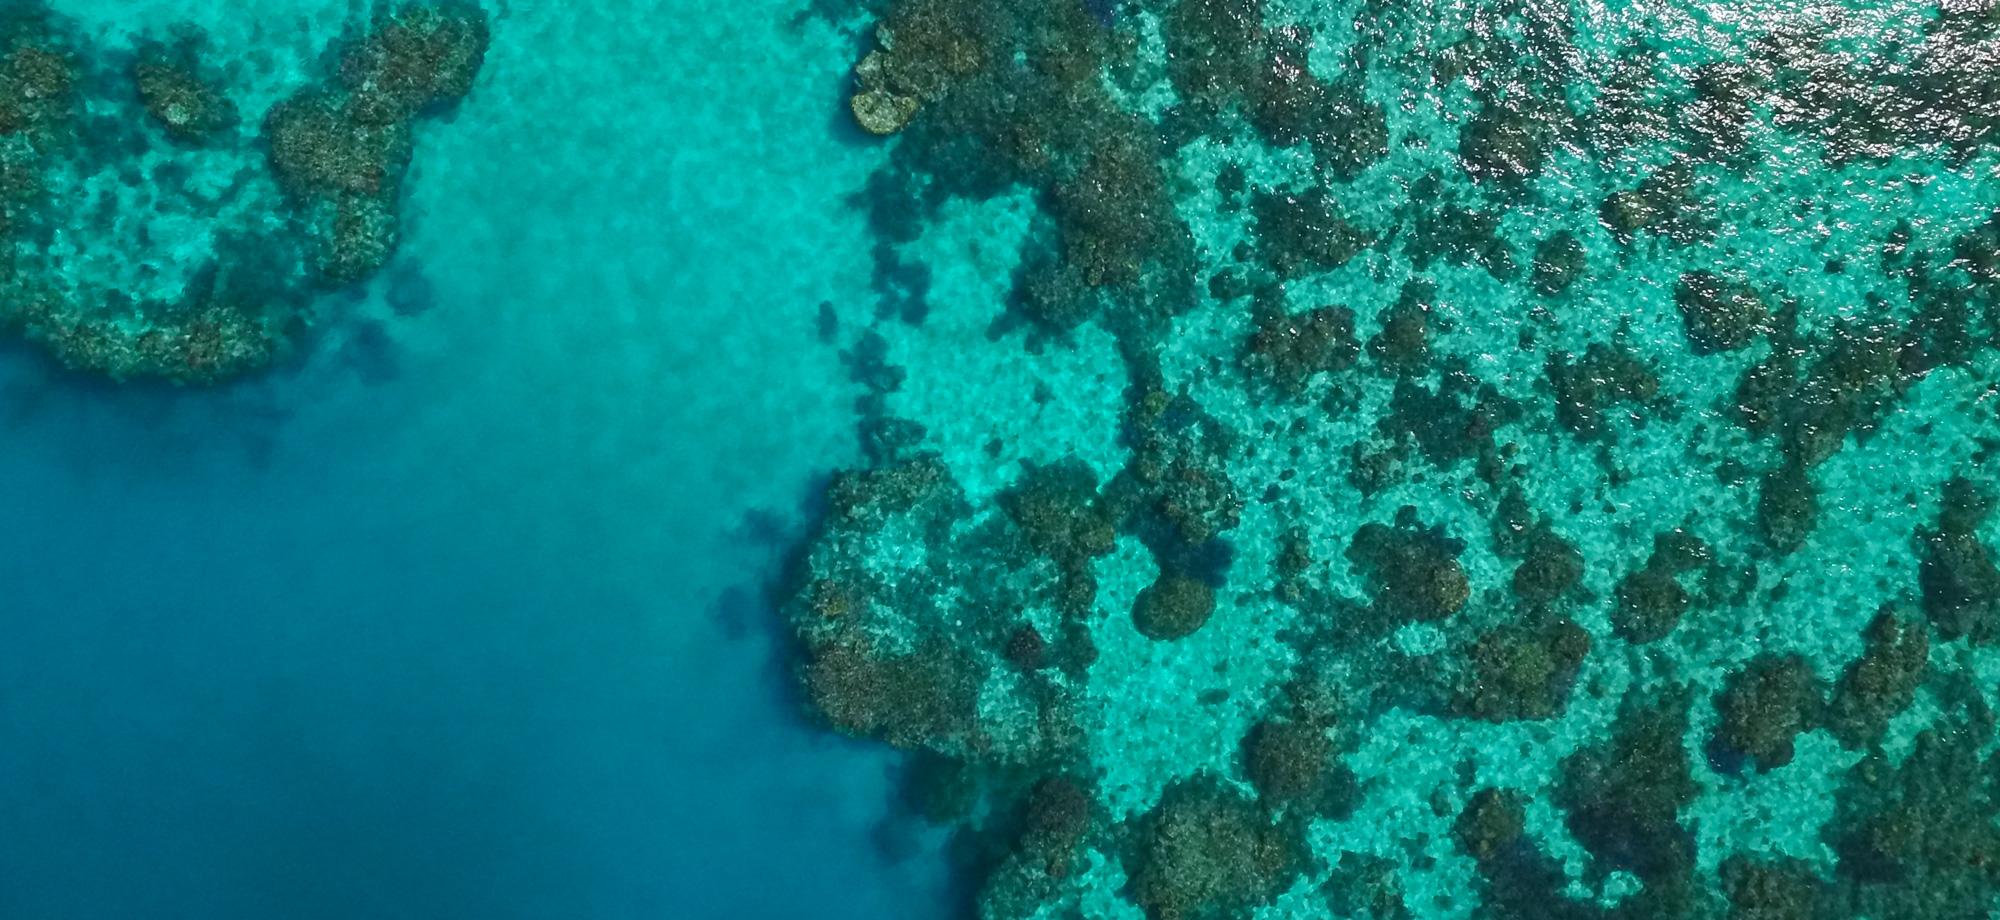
(463, 619)
(1186, 459)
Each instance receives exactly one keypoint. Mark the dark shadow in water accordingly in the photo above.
(370, 353)
(103, 420)
(736, 612)
(929, 789)
(767, 530)
(407, 290)
(826, 326)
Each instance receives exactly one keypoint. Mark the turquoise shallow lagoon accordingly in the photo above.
(459, 614)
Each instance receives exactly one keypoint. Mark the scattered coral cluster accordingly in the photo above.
(156, 227)
(1552, 478)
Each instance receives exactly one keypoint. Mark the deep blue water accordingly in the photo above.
(291, 690)
(294, 689)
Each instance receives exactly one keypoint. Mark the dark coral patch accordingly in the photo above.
(1960, 582)
(1762, 708)
(1173, 607)
(1413, 572)
(1720, 314)
(1520, 672)
(1206, 851)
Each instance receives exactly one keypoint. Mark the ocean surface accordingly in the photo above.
(1023, 459)
(461, 614)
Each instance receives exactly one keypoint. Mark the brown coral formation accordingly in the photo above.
(338, 150)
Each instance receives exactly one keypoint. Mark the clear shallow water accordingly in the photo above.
(434, 625)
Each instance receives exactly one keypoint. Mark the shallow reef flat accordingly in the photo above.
(177, 210)
(1376, 459)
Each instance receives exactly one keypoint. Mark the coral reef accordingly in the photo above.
(1961, 584)
(1762, 708)
(1060, 513)
(1784, 889)
(1652, 600)
(181, 91)
(1606, 376)
(1301, 233)
(1173, 607)
(1485, 460)
(1517, 672)
(1289, 350)
(1414, 571)
(1550, 567)
(1518, 880)
(1787, 507)
(1292, 764)
(1403, 345)
(1919, 840)
(1623, 799)
(923, 697)
(340, 151)
(1559, 262)
(1721, 314)
(1491, 824)
(310, 201)
(1881, 682)
(1206, 852)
